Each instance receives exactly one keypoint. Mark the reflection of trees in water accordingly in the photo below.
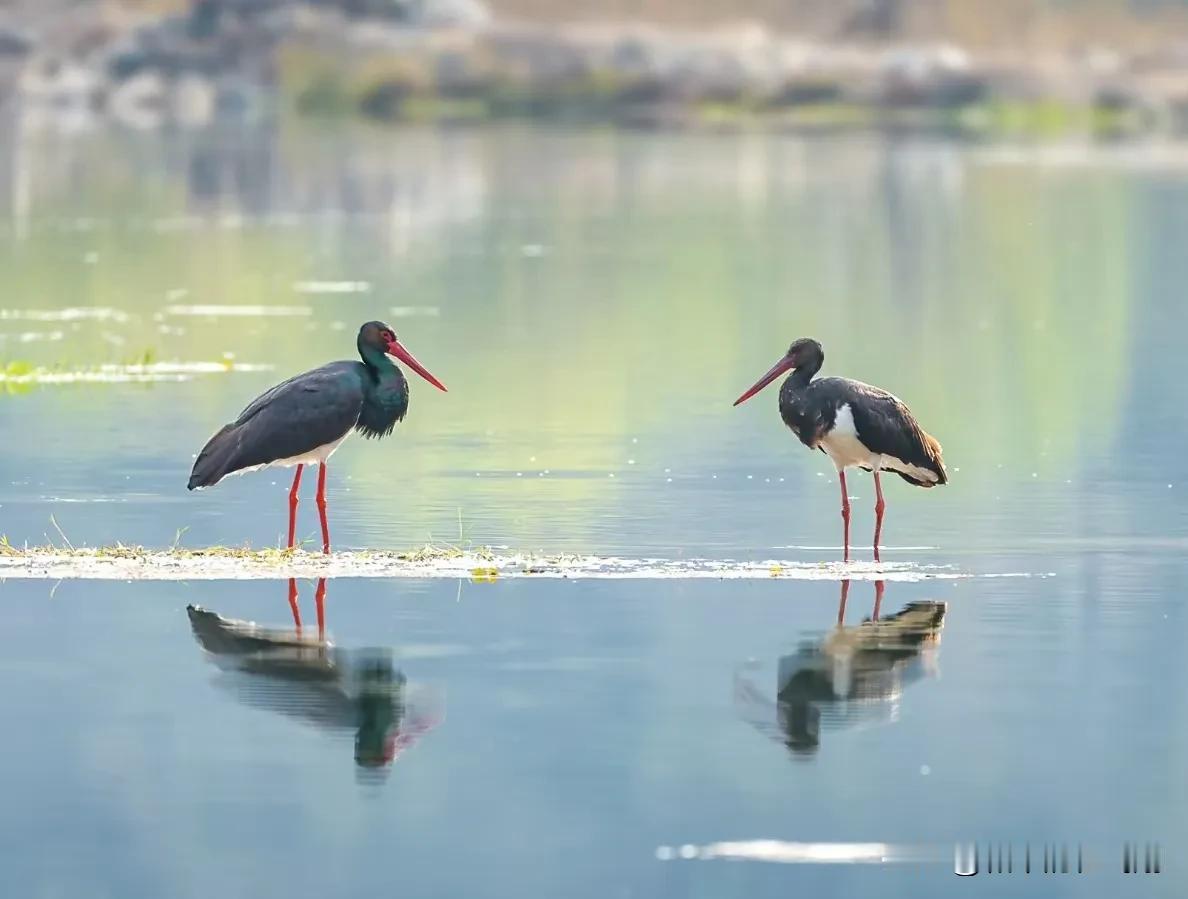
(231, 168)
(440, 174)
(416, 182)
(855, 675)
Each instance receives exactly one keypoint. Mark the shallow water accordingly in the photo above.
(574, 728)
(595, 302)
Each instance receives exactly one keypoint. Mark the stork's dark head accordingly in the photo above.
(804, 353)
(798, 712)
(376, 337)
(379, 707)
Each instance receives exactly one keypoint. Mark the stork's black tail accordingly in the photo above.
(217, 459)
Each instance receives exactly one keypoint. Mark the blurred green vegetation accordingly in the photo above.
(403, 88)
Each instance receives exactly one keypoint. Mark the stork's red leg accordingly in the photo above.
(293, 604)
(879, 587)
(322, 507)
(841, 477)
(320, 605)
(293, 505)
(879, 506)
(841, 607)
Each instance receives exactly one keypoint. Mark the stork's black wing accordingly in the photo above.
(274, 669)
(293, 418)
(885, 425)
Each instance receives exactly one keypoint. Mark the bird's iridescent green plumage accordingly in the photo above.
(385, 393)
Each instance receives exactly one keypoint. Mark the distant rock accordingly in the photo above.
(392, 58)
(193, 101)
(452, 14)
(139, 101)
(49, 81)
(939, 75)
(14, 43)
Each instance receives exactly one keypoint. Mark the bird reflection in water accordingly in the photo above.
(306, 677)
(853, 676)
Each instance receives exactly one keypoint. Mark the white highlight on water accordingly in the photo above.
(70, 314)
(785, 852)
(167, 565)
(332, 286)
(240, 311)
(124, 374)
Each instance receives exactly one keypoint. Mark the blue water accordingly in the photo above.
(598, 301)
(577, 728)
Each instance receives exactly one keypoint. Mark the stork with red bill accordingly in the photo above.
(856, 425)
(304, 420)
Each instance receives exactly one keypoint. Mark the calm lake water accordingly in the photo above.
(595, 301)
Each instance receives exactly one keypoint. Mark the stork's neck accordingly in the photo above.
(385, 394)
(377, 361)
(799, 379)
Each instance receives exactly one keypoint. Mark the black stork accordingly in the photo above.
(303, 420)
(314, 681)
(856, 425)
(855, 675)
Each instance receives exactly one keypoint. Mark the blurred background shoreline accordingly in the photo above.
(1030, 69)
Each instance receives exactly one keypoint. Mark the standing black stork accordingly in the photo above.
(303, 420)
(855, 425)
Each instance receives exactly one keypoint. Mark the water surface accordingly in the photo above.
(595, 301)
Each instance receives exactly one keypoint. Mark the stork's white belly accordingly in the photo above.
(313, 457)
(842, 445)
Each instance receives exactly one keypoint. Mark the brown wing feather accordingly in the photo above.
(885, 425)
